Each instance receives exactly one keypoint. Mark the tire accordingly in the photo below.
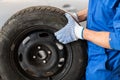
(30, 51)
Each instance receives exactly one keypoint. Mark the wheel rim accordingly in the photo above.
(40, 56)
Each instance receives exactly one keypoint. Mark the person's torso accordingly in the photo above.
(100, 18)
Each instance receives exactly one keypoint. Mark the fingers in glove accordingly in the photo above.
(59, 36)
(58, 32)
(69, 17)
(61, 40)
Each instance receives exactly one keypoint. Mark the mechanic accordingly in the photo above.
(103, 37)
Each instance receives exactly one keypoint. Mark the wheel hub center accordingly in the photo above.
(42, 54)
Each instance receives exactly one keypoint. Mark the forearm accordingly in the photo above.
(99, 38)
(82, 15)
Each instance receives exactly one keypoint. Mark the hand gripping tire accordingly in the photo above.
(30, 51)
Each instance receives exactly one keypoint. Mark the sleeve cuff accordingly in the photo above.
(114, 41)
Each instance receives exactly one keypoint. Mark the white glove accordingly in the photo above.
(75, 16)
(71, 32)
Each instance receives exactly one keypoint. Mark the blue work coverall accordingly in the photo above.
(104, 64)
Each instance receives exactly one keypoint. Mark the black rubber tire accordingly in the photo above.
(27, 19)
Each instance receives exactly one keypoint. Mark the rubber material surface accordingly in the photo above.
(29, 20)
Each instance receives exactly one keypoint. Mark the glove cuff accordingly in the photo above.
(79, 32)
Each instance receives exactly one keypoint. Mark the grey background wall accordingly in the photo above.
(9, 7)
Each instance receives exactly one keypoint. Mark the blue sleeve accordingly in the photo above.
(115, 36)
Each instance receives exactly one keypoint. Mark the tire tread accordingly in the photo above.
(34, 9)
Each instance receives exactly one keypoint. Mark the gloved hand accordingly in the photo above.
(71, 32)
(75, 16)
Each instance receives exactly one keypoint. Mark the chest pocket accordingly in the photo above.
(104, 14)
(110, 3)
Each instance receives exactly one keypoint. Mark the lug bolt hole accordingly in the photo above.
(44, 61)
(39, 47)
(49, 52)
(34, 57)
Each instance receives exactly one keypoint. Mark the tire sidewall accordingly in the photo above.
(29, 22)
